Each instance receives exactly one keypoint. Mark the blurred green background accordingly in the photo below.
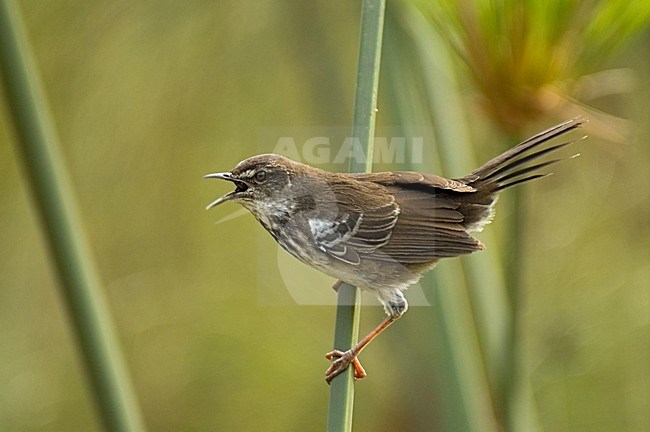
(148, 96)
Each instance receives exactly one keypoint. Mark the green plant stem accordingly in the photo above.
(346, 334)
(365, 103)
(515, 237)
(365, 100)
(61, 224)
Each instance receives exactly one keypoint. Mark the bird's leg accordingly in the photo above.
(350, 356)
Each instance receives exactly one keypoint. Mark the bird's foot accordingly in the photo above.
(341, 363)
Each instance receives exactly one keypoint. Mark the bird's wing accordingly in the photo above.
(393, 222)
(429, 228)
(417, 180)
(430, 225)
(352, 230)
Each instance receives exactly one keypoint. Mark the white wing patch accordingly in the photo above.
(351, 234)
(331, 236)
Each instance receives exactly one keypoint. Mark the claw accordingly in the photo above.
(341, 364)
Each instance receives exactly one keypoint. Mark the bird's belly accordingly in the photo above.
(369, 275)
(297, 245)
(379, 276)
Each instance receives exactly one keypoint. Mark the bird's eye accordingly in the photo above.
(260, 176)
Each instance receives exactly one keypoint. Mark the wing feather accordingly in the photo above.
(408, 217)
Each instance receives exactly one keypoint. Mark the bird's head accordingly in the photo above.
(261, 182)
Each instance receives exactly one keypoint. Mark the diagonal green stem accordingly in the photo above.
(363, 129)
(81, 288)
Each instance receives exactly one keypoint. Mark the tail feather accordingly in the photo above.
(524, 160)
(509, 169)
(532, 168)
(501, 187)
(496, 174)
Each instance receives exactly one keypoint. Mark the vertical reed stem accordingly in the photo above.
(60, 219)
(348, 307)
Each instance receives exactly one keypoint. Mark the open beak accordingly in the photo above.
(241, 187)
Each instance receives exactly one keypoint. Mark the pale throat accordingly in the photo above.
(272, 213)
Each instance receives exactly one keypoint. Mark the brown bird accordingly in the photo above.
(379, 231)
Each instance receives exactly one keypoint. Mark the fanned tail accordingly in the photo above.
(509, 169)
(512, 167)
